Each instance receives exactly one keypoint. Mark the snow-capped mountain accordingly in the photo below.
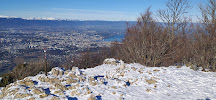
(36, 18)
(49, 18)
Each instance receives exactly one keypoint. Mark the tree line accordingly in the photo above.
(176, 41)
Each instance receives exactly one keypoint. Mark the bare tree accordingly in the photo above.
(209, 16)
(173, 14)
(205, 37)
(146, 42)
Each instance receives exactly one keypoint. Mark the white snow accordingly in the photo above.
(135, 82)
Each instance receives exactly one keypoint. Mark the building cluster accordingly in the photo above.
(21, 43)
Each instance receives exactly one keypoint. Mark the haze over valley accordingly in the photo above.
(23, 40)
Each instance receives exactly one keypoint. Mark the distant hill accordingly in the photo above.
(19, 23)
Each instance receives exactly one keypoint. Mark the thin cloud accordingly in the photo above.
(83, 14)
(84, 10)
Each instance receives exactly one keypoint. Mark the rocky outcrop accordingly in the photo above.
(72, 75)
(70, 81)
(22, 95)
(29, 83)
(111, 61)
(92, 97)
(76, 71)
(61, 84)
(43, 95)
(55, 98)
(57, 71)
(73, 93)
(37, 91)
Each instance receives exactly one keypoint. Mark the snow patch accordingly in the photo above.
(110, 82)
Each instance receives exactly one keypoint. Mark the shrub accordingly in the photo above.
(148, 43)
(204, 43)
(89, 59)
(23, 70)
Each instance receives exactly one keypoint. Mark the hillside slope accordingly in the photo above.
(115, 80)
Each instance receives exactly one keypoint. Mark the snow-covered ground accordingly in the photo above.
(115, 80)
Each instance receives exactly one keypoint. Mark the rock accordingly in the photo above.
(77, 85)
(122, 73)
(42, 79)
(111, 61)
(31, 88)
(71, 87)
(20, 83)
(122, 66)
(6, 88)
(55, 80)
(179, 66)
(93, 83)
(47, 79)
(81, 79)
(62, 94)
(61, 72)
(43, 95)
(148, 90)
(37, 91)
(114, 87)
(66, 72)
(22, 95)
(56, 92)
(92, 97)
(76, 71)
(155, 86)
(70, 81)
(73, 93)
(78, 94)
(57, 71)
(89, 92)
(60, 86)
(141, 72)
(27, 79)
(10, 92)
(149, 72)
(72, 75)
(151, 81)
(32, 98)
(91, 79)
(55, 98)
(194, 67)
(133, 68)
(1, 95)
(29, 83)
(156, 70)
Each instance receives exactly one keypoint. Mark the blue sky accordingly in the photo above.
(113, 10)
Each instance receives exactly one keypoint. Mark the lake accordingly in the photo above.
(118, 37)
